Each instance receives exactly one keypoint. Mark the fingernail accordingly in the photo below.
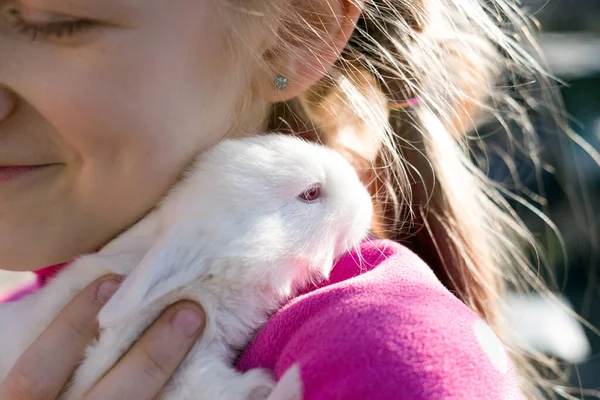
(187, 321)
(106, 290)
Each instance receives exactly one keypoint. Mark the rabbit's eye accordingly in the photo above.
(313, 193)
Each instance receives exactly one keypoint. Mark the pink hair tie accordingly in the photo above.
(403, 105)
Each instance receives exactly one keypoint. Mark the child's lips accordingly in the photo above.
(11, 173)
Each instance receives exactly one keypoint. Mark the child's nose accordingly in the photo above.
(7, 103)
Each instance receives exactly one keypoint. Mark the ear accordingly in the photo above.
(310, 42)
(168, 266)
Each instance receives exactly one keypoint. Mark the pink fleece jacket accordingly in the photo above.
(382, 327)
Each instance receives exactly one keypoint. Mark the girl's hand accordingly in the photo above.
(45, 368)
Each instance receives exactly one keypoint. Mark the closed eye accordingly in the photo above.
(311, 194)
(45, 26)
(56, 29)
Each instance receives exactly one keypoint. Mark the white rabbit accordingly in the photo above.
(252, 221)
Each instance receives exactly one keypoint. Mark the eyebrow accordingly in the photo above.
(81, 5)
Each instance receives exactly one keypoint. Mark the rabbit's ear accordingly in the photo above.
(172, 263)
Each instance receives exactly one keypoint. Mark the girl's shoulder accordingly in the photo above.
(383, 327)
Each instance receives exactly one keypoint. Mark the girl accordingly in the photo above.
(103, 104)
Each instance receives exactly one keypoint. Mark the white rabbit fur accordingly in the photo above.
(233, 236)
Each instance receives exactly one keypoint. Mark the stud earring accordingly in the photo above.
(281, 82)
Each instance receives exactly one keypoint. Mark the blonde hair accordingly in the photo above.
(459, 57)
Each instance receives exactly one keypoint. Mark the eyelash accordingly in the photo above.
(53, 29)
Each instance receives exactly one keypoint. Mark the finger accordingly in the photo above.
(46, 366)
(149, 364)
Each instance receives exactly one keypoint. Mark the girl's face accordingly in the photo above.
(108, 116)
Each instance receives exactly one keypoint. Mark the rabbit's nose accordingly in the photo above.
(7, 103)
